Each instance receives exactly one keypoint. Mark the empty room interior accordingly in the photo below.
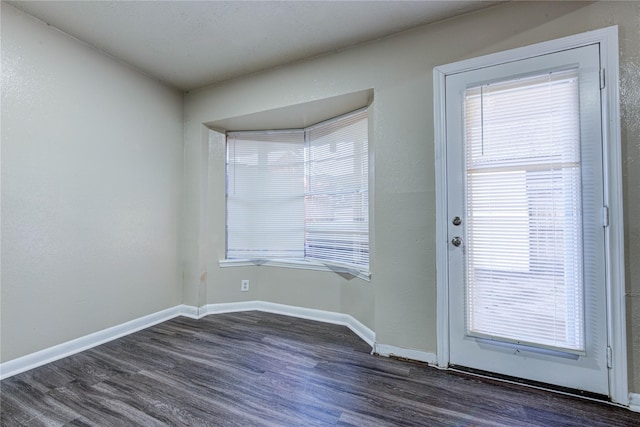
(320, 213)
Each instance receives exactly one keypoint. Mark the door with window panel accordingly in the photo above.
(525, 204)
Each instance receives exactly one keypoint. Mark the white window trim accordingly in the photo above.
(612, 169)
(299, 264)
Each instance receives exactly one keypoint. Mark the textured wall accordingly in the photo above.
(91, 189)
(399, 303)
(630, 118)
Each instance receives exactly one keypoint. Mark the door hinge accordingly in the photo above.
(609, 358)
(602, 78)
(605, 216)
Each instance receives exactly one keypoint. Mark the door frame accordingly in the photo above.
(612, 170)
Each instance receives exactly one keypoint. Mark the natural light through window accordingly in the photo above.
(524, 261)
(301, 195)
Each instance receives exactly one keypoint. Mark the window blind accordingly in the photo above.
(301, 194)
(524, 211)
(337, 193)
(265, 195)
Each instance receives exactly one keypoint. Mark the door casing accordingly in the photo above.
(612, 168)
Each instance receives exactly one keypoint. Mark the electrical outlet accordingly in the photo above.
(244, 285)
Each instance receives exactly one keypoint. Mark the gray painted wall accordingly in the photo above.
(91, 189)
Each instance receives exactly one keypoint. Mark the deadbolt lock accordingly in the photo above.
(456, 220)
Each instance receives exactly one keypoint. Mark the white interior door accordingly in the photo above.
(527, 294)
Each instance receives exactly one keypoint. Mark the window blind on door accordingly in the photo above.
(524, 260)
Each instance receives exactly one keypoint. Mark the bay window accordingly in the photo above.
(300, 196)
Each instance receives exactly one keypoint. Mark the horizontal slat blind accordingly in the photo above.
(265, 195)
(524, 214)
(337, 192)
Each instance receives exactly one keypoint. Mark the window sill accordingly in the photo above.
(298, 263)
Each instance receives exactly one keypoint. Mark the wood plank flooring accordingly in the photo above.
(261, 369)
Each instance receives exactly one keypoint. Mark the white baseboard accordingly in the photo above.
(190, 311)
(51, 354)
(366, 334)
(350, 322)
(634, 402)
(228, 307)
(405, 353)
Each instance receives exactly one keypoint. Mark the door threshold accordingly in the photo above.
(494, 377)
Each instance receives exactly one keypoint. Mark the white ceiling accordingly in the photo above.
(191, 44)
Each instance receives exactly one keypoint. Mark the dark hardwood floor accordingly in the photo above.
(261, 369)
